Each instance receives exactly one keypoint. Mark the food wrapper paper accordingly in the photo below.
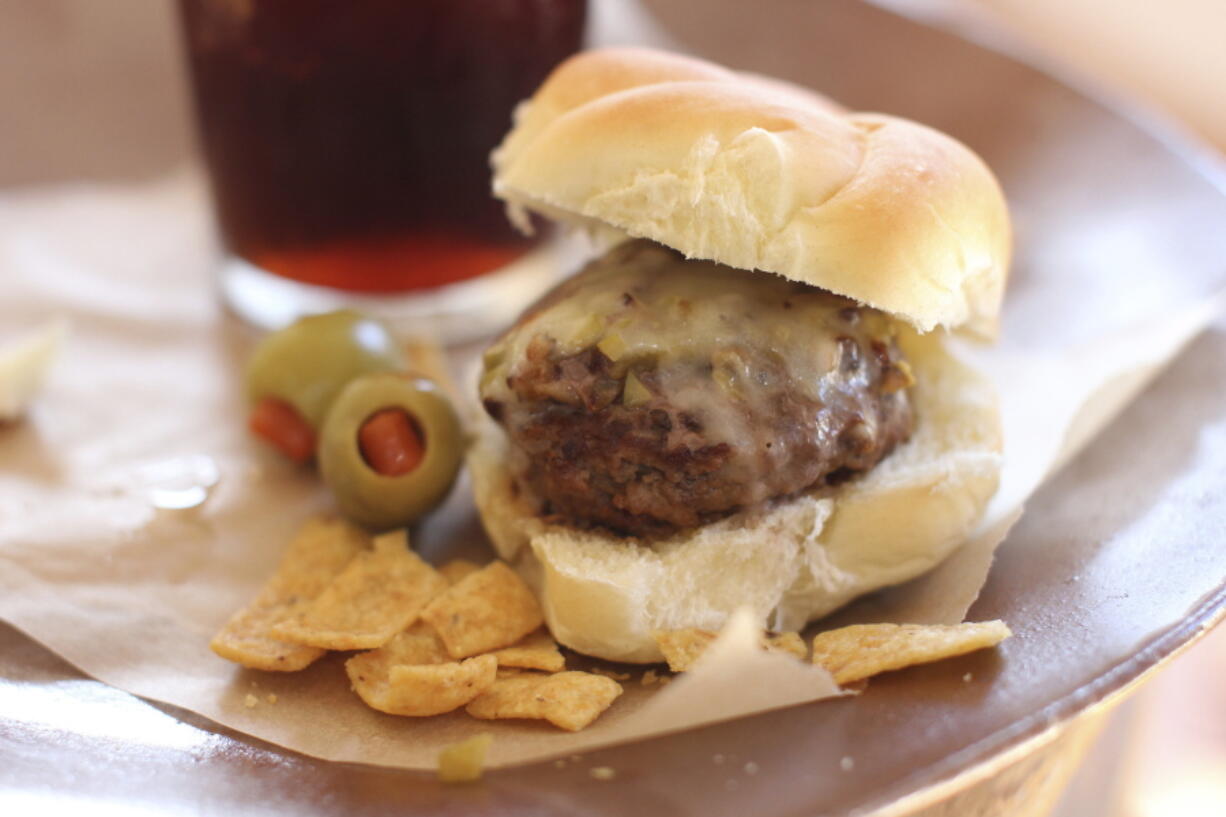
(136, 514)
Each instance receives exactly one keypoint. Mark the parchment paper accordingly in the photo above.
(109, 558)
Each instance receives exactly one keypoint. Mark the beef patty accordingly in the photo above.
(651, 393)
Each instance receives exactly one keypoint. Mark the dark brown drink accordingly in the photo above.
(348, 140)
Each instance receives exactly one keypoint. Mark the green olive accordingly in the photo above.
(366, 496)
(307, 363)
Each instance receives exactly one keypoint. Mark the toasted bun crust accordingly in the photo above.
(791, 562)
(759, 174)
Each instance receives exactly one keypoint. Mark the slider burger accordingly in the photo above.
(745, 401)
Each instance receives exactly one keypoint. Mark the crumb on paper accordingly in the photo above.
(464, 762)
(602, 772)
(250, 701)
(970, 676)
(751, 768)
(847, 763)
(271, 697)
(649, 677)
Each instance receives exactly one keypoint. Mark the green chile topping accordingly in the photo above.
(647, 308)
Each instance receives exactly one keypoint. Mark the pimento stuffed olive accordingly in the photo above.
(390, 449)
(296, 373)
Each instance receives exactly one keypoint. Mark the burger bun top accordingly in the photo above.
(759, 174)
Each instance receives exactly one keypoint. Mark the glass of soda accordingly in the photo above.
(347, 146)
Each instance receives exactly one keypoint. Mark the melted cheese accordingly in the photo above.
(688, 322)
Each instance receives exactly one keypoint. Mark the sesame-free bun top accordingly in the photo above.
(759, 174)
